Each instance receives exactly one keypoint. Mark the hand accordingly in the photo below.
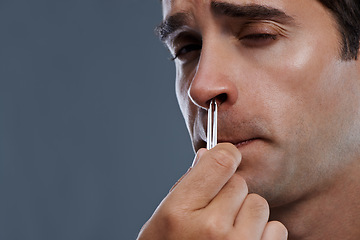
(212, 202)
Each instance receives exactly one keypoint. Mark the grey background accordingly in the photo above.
(91, 137)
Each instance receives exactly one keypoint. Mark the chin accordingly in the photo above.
(266, 187)
(269, 176)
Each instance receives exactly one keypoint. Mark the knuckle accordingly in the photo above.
(237, 183)
(215, 228)
(240, 182)
(258, 206)
(172, 219)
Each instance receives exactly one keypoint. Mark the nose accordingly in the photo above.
(214, 78)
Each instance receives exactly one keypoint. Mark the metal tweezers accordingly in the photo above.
(211, 139)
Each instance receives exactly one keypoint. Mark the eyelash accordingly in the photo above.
(254, 37)
(260, 36)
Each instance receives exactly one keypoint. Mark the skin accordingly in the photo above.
(289, 111)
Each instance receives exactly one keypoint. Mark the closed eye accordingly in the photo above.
(258, 40)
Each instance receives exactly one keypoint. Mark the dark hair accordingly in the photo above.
(347, 15)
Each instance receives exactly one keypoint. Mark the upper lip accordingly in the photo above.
(242, 132)
(235, 131)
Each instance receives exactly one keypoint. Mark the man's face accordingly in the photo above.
(286, 99)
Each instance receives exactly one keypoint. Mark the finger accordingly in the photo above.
(252, 218)
(208, 176)
(275, 230)
(227, 203)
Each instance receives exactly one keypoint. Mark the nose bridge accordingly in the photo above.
(214, 77)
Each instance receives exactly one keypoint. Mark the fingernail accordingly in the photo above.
(199, 153)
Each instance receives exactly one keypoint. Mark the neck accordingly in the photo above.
(332, 213)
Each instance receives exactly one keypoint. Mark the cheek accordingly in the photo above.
(298, 69)
(300, 90)
(310, 112)
(300, 75)
(188, 109)
(181, 89)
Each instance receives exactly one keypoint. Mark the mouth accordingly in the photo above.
(245, 142)
(241, 143)
(241, 133)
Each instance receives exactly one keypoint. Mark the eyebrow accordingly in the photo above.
(249, 11)
(172, 24)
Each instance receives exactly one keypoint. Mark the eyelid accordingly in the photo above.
(182, 40)
(183, 35)
(262, 27)
(192, 47)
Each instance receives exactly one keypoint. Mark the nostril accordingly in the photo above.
(221, 98)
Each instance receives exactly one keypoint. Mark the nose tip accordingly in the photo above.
(205, 104)
(204, 89)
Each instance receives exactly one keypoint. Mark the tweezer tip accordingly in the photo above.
(211, 104)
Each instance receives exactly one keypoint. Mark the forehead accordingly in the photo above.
(171, 7)
(198, 8)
